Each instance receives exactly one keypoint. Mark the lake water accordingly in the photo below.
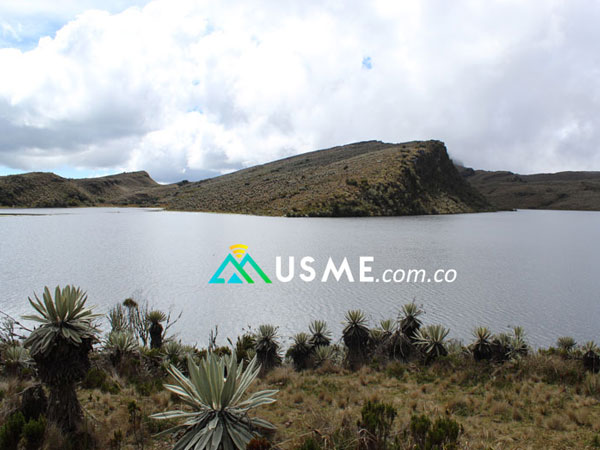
(538, 269)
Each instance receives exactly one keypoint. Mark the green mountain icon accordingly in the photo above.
(239, 267)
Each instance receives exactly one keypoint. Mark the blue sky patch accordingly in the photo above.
(367, 63)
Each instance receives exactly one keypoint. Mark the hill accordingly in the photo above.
(47, 190)
(563, 190)
(362, 179)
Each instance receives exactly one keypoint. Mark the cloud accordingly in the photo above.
(192, 89)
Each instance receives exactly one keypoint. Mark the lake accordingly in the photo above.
(537, 269)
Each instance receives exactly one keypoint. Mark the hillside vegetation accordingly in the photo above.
(47, 190)
(563, 190)
(363, 179)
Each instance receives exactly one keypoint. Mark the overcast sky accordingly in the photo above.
(191, 89)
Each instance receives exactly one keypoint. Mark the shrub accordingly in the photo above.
(97, 378)
(94, 378)
(33, 433)
(419, 428)
(10, 432)
(377, 419)
(428, 435)
(444, 434)
(147, 387)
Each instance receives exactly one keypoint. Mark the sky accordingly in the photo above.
(195, 89)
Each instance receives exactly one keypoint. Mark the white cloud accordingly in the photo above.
(190, 89)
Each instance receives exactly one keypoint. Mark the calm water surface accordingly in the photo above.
(538, 269)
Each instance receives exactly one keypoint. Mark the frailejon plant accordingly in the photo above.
(377, 338)
(156, 329)
(174, 353)
(301, 351)
(214, 392)
(430, 340)
(387, 326)
(501, 347)
(591, 357)
(244, 346)
(409, 319)
(482, 347)
(120, 344)
(518, 344)
(320, 334)
(117, 318)
(380, 336)
(324, 354)
(16, 358)
(356, 338)
(267, 347)
(566, 344)
(60, 348)
(396, 344)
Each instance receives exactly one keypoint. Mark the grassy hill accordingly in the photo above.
(362, 179)
(47, 190)
(563, 190)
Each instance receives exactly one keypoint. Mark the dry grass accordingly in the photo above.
(526, 413)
